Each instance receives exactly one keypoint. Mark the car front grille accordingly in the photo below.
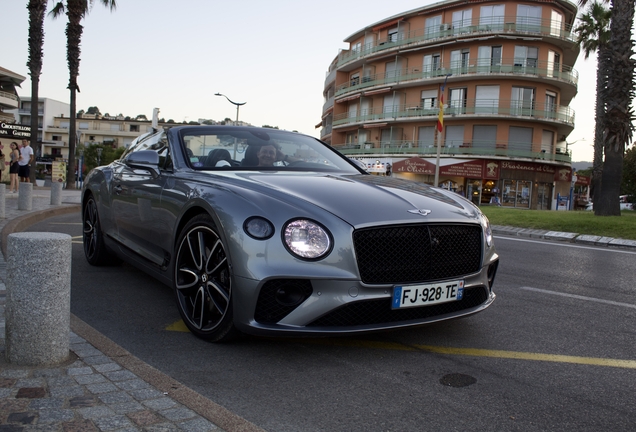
(379, 311)
(417, 253)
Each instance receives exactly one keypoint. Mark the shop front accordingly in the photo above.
(524, 185)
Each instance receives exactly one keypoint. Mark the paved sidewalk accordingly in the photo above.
(101, 387)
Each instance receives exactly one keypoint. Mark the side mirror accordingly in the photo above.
(144, 159)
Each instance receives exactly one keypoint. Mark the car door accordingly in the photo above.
(136, 202)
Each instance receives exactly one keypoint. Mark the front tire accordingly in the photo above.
(203, 282)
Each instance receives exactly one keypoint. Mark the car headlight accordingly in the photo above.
(485, 224)
(258, 228)
(306, 239)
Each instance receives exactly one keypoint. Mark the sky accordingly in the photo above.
(175, 56)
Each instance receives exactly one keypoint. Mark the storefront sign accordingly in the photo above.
(560, 173)
(58, 171)
(583, 180)
(471, 169)
(414, 165)
(17, 131)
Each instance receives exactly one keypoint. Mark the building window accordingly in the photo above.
(429, 100)
(550, 104)
(485, 136)
(426, 136)
(433, 26)
(83, 125)
(454, 136)
(556, 23)
(460, 61)
(492, 17)
(487, 99)
(393, 35)
(457, 101)
(432, 63)
(520, 139)
(522, 101)
(355, 79)
(526, 57)
(488, 57)
(462, 19)
(134, 128)
(529, 18)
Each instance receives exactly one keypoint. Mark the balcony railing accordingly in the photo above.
(477, 26)
(469, 149)
(527, 67)
(6, 118)
(478, 107)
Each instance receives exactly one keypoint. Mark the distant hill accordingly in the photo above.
(581, 165)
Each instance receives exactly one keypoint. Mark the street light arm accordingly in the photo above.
(235, 103)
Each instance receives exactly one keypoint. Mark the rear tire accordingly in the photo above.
(94, 248)
(203, 281)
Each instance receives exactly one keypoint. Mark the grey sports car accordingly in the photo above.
(275, 233)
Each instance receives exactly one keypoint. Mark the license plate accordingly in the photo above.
(424, 295)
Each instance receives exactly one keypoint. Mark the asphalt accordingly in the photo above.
(102, 387)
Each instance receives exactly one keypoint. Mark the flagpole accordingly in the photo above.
(440, 128)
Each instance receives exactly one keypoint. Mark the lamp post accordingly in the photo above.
(238, 104)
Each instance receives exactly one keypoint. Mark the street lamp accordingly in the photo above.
(238, 104)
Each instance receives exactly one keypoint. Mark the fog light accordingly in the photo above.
(289, 295)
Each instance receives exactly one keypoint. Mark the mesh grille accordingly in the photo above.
(417, 253)
(268, 309)
(379, 311)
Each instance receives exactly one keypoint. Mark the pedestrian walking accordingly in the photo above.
(25, 162)
(14, 167)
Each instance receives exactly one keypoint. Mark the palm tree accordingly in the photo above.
(37, 9)
(593, 35)
(617, 121)
(76, 10)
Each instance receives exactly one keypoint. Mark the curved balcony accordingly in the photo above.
(481, 149)
(468, 107)
(8, 100)
(496, 25)
(508, 66)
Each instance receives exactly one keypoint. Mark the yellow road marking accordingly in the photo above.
(178, 326)
(471, 352)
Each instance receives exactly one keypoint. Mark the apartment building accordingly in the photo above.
(501, 72)
(48, 109)
(9, 101)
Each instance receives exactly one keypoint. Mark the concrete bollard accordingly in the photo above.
(56, 193)
(3, 195)
(25, 199)
(38, 302)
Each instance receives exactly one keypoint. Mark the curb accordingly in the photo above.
(22, 222)
(583, 239)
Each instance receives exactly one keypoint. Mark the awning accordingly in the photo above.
(373, 125)
(348, 98)
(373, 92)
(387, 24)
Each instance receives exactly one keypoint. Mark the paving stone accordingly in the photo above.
(112, 423)
(23, 418)
(145, 418)
(198, 424)
(120, 375)
(145, 394)
(85, 350)
(82, 402)
(31, 392)
(90, 379)
(115, 397)
(175, 414)
(79, 426)
(30, 382)
(71, 391)
(101, 388)
(87, 370)
(56, 415)
(47, 403)
(97, 359)
(7, 382)
(135, 384)
(14, 373)
(106, 367)
(162, 427)
(160, 404)
(95, 412)
(126, 407)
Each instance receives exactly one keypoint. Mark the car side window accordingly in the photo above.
(157, 142)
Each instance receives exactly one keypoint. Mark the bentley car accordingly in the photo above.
(269, 232)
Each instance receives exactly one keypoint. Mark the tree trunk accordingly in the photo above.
(618, 118)
(601, 85)
(37, 9)
(76, 10)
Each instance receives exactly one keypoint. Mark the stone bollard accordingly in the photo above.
(25, 199)
(3, 195)
(38, 302)
(56, 193)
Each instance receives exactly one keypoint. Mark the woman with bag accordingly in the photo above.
(13, 167)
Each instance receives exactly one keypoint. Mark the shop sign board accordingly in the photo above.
(560, 174)
(16, 131)
(58, 171)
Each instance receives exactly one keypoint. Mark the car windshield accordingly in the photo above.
(228, 148)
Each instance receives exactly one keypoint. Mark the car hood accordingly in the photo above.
(369, 200)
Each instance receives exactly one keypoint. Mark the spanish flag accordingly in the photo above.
(440, 117)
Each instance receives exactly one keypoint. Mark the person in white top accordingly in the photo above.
(24, 171)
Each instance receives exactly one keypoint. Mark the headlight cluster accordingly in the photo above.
(485, 224)
(304, 238)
